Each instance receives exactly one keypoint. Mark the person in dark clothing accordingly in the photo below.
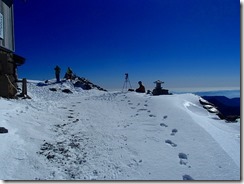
(57, 73)
(141, 88)
(69, 74)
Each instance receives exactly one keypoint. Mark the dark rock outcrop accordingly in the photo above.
(3, 130)
(66, 91)
(86, 84)
(52, 89)
(228, 109)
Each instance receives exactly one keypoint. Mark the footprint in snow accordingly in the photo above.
(174, 131)
(187, 177)
(95, 173)
(164, 125)
(170, 143)
(134, 163)
(125, 126)
(76, 120)
(183, 158)
(134, 115)
(60, 126)
(151, 115)
(141, 110)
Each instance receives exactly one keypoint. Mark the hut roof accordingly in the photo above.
(159, 81)
(18, 59)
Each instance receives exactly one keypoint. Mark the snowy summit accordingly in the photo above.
(99, 135)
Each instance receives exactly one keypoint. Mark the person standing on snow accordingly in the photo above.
(57, 73)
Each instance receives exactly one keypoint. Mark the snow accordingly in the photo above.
(97, 135)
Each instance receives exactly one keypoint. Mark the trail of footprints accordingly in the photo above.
(58, 153)
(139, 107)
(182, 156)
(69, 154)
(143, 109)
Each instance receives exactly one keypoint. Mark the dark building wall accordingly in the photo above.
(8, 60)
(8, 78)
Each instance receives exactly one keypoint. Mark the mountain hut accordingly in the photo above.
(8, 59)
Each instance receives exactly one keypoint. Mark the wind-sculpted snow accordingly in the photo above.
(96, 135)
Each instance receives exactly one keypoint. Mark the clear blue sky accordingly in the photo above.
(186, 43)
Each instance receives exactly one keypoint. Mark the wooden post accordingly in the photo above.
(24, 87)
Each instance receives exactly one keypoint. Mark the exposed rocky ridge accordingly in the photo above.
(87, 84)
(225, 108)
(76, 82)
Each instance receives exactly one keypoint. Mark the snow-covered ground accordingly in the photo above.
(95, 135)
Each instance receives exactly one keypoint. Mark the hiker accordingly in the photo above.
(141, 88)
(57, 73)
(69, 74)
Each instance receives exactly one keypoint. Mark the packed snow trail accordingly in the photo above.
(94, 135)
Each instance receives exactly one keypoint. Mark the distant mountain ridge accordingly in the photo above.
(227, 93)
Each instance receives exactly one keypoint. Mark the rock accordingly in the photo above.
(220, 115)
(225, 108)
(86, 84)
(41, 84)
(3, 130)
(52, 89)
(232, 119)
(66, 91)
(50, 157)
(207, 106)
(205, 102)
(213, 110)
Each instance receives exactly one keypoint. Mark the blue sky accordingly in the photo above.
(185, 43)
